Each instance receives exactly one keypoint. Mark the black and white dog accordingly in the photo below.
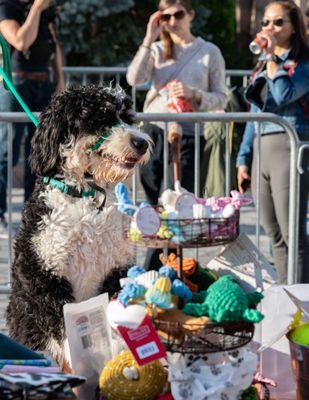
(69, 248)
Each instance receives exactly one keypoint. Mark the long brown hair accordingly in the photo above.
(299, 43)
(168, 44)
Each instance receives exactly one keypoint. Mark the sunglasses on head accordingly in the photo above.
(178, 15)
(277, 22)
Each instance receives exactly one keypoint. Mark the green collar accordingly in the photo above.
(70, 190)
(101, 139)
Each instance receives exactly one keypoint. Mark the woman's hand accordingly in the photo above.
(41, 4)
(243, 178)
(271, 42)
(178, 89)
(153, 29)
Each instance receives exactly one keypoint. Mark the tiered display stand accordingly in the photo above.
(212, 337)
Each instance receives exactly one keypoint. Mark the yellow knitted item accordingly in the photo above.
(163, 284)
(123, 379)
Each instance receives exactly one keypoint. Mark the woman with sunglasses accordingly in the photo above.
(194, 70)
(280, 85)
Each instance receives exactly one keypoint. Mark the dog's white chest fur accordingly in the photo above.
(79, 243)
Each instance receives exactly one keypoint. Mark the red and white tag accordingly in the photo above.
(166, 396)
(143, 342)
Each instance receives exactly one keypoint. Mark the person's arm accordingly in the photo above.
(216, 97)
(206, 100)
(21, 37)
(286, 89)
(57, 62)
(140, 69)
(245, 155)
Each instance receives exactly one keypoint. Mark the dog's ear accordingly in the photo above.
(127, 114)
(45, 155)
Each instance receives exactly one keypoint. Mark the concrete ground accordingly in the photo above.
(247, 225)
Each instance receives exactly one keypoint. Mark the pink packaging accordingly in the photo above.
(176, 104)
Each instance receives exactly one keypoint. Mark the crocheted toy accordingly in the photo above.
(125, 204)
(131, 291)
(200, 277)
(181, 290)
(160, 293)
(148, 279)
(135, 271)
(168, 271)
(164, 232)
(250, 394)
(225, 301)
(122, 378)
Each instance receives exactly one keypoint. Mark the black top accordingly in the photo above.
(39, 55)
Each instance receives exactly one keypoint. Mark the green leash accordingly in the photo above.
(6, 73)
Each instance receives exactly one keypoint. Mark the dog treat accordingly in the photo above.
(122, 378)
(173, 324)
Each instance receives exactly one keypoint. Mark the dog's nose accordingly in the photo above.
(139, 144)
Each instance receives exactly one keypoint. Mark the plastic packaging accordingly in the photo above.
(89, 340)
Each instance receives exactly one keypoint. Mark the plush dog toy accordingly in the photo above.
(68, 245)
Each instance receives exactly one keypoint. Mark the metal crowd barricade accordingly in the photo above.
(117, 72)
(296, 151)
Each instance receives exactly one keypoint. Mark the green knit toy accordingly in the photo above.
(250, 394)
(225, 301)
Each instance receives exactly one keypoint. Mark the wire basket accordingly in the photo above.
(203, 339)
(199, 232)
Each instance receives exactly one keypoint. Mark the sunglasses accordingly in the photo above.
(178, 15)
(277, 22)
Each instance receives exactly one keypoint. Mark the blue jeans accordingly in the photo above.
(36, 95)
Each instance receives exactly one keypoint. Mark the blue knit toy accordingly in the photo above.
(135, 271)
(168, 271)
(123, 199)
(130, 291)
(225, 301)
(181, 290)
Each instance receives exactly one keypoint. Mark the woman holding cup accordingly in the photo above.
(186, 74)
(280, 85)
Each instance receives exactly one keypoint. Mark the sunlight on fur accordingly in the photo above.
(113, 161)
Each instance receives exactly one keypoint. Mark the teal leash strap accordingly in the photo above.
(18, 98)
(70, 190)
(6, 73)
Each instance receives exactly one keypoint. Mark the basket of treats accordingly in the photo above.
(201, 314)
(183, 219)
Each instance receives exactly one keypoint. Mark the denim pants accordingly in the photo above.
(36, 95)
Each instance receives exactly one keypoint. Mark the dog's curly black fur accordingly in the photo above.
(39, 291)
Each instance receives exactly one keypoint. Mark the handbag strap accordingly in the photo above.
(181, 64)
